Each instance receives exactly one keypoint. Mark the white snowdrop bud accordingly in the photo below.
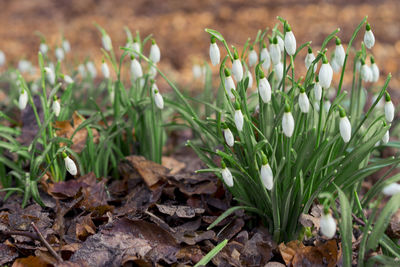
(136, 46)
(281, 43)
(316, 106)
(238, 118)
(214, 52)
(275, 52)
(153, 71)
(56, 106)
(51, 77)
(155, 53)
(43, 48)
(327, 225)
(290, 41)
(266, 174)
(366, 74)
(325, 74)
(91, 69)
(369, 38)
(253, 57)
(66, 46)
(304, 103)
(158, 99)
(197, 71)
(287, 122)
(309, 59)
(344, 126)
(391, 189)
(317, 89)
(340, 54)
(136, 69)
(23, 99)
(264, 88)
(59, 53)
(327, 105)
(389, 108)
(106, 40)
(248, 74)
(265, 57)
(374, 70)
(226, 175)
(105, 70)
(24, 66)
(278, 68)
(385, 138)
(68, 79)
(2, 58)
(237, 68)
(229, 83)
(335, 65)
(229, 139)
(70, 164)
(81, 70)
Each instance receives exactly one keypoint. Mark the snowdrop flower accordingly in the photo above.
(153, 71)
(91, 69)
(105, 70)
(325, 73)
(155, 53)
(391, 189)
(229, 139)
(229, 83)
(23, 99)
(290, 41)
(197, 71)
(327, 225)
(24, 66)
(68, 79)
(81, 70)
(253, 57)
(59, 53)
(135, 46)
(265, 57)
(278, 68)
(136, 69)
(385, 138)
(214, 52)
(158, 99)
(266, 174)
(374, 70)
(327, 105)
(56, 106)
(335, 65)
(309, 59)
(369, 38)
(226, 175)
(344, 125)
(304, 103)
(35, 87)
(43, 48)
(69, 164)
(317, 89)
(264, 88)
(238, 117)
(66, 46)
(275, 51)
(51, 77)
(237, 68)
(339, 53)
(281, 43)
(248, 74)
(106, 40)
(287, 122)
(389, 108)
(366, 73)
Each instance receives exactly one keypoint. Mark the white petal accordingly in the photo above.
(239, 120)
(308, 60)
(304, 103)
(325, 75)
(385, 138)
(253, 57)
(66, 46)
(23, 100)
(68, 79)
(375, 72)
(290, 43)
(250, 85)
(264, 89)
(155, 53)
(327, 105)
(317, 91)
(345, 129)
(159, 101)
(107, 44)
(340, 55)
(278, 68)
(266, 58)
(70, 166)
(327, 225)
(56, 108)
(105, 70)
(136, 69)
(335, 65)
(237, 70)
(229, 85)
(267, 176)
(281, 43)
(389, 111)
(369, 39)
(43, 48)
(214, 54)
(288, 124)
(391, 189)
(59, 53)
(275, 54)
(91, 69)
(366, 73)
(227, 176)
(229, 139)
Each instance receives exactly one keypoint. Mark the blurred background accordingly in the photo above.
(178, 26)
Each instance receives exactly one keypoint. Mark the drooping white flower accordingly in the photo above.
(325, 74)
(391, 189)
(281, 43)
(374, 70)
(56, 107)
(68, 79)
(340, 54)
(344, 126)
(327, 105)
(264, 88)
(91, 69)
(51, 77)
(369, 38)
(23, 99)
(287, 122)
(82, 70)
(136, 46)
(106, 40)
(310, 57)
(229, 83)
(238, 118)
(237, 68)
(59, 53)
(385, 138)
(253, 57)
(290, 41)
(66, 46)
(70, 164)
(265, 57)
(327, 225)
(158, 99)
(304, 103)
(366, 73)
(153, 71)
(278, 68)
(248, 74)
(197, 71)
(317, 89)
(155, 53)
(136, 69)
(389, 108)
(214, 52)
(229, 139)
(335, 65)
(267, 177)
(24, 66)
(275, 52)
(43, 48)
(105, 70)
(226, 175)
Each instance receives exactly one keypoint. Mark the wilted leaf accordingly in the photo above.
(258, 250)
(31, 261)
(85, 227)
(172, 164)
(7, 254)
(180, 211)
(194, 184)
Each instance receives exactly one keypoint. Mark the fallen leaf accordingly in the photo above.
(258, 250)
(180, 211)
(172, 164)
(31, 261)
(7, 254)
(85, 227)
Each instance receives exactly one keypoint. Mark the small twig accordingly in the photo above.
(47, 245)
(21, 233)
